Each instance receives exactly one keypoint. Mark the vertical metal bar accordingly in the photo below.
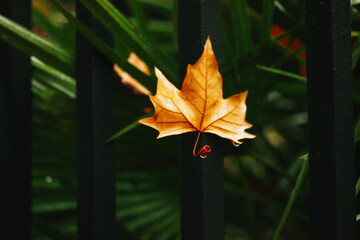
(330, 103)
(15, 131)
(96, 159)
(202, 201)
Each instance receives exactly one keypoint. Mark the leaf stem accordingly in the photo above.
(197, 140)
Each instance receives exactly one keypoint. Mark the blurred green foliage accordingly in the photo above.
(263, 52)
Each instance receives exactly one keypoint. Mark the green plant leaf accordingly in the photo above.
(282, 72)
(28, 42)
(129, 127)
(355, 53)
(299, 181)
(148, 205)
(52, 30)
(56, 204)
(242, 33)
(267, 20)
(139, 14)
(165, 4)
(57, 80)
(40, 90)
(132, 37)
(147, 81)
(287, 50)
(161, 26)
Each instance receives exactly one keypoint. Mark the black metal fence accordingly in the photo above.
(331, 133)
(332, 196)
(15, 130)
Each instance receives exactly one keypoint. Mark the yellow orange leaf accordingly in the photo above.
(200, 105)
(128, 80)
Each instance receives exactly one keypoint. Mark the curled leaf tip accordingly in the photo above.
(204, 151)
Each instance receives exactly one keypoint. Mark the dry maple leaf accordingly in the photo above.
(199, 106)
(128, 80)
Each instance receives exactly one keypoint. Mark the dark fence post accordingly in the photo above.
(15, 131)
(330, 102)
(96, 159)
(202, 200)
